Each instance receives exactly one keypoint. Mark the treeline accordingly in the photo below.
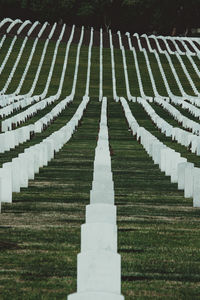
(143, 16)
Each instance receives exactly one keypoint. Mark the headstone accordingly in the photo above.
(106, 239)
(23, 170)
(101, 213)
(196, 187)
(188, 190)
(92, 265)
(16, 168)
(6, 183)
(174, 171)
(181, 175)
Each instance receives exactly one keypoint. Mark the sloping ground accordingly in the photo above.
(40, 230)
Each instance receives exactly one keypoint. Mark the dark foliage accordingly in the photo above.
(142, 16)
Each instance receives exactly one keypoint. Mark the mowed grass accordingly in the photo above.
(158, 230)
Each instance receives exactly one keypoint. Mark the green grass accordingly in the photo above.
(158, 230)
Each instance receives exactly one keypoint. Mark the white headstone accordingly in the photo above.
(6, 183)
(181, 175)
(196, 187)
(188, 190)
(99, 271)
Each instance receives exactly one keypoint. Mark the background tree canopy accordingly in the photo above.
(142, 16)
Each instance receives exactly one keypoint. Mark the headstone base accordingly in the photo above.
(95, 296)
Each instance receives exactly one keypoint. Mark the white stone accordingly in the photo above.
(188, 190)
(30, 157)
(105, 184)
(163, 159)
(44, 147)
(6, 183)
(99, 271)
(2, 143)
(196, 187)
(101, 213)
(98, 236)
(95, 296)
(171, 160)
(16, 169)
(181, 175)
(23, 170)
(174, 168)
(36, 153)
(99, 196)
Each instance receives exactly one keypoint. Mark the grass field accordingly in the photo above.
(158, 230)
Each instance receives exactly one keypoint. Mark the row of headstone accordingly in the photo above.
(15, 106)
(46, 88)
(9, 99)
(196, 92)
(193, 65)
(180, 171)
(148, 43)
(4, 89)
(99, 264)
(35, 24)
(177, 115)
(44, 93)
(89, 63)
(4, 21)
(2, 40)
(31, 111)
(179, 100)
(163, 125)
(138, 73)
(17, 21)
(156, 94)
(39, 125)
(45, 121)
(184, 45)
(168, 50)
(13, 43)
(77, 63)
(165, 40)
(188, 51)
(8, 54)
(170, 94)
(128, 93)
(191, 108)
(136, 35)
(101, 67)
(136, 65)
(182, 41)
(183, 137)
(30, 92)
(22, 117)
(11, 139)
(132, 122)
(28, 163)
(115, 97)
(161, 69)
(157, 43)
(180, 86)
(58, 94)
(193, 45)
(18, 89)
(10, 77)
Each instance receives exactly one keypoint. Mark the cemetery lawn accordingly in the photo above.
(158, 230)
